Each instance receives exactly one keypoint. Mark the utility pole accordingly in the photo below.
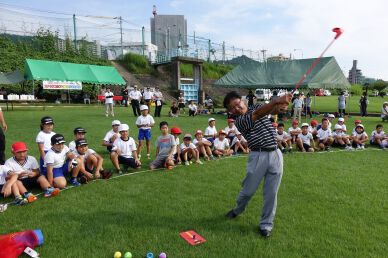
(75, 34)
(263, 51)
(223, 52)
(142, 39)
(121, 37)
(209, 48)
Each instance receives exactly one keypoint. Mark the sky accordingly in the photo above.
(300, 28)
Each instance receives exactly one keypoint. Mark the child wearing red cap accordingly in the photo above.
(176, 131)
(203, 145)
(9, 185)
(221, 145)
(294, 131)
(26, 168)
(356, 122)
(231, 130)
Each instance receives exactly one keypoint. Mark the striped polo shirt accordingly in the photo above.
(259, 133)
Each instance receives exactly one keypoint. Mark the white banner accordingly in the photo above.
(60, 85)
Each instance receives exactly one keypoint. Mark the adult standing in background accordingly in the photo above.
(341, 104)
(250, 97)
(3, 129)
(265, 159)
(158, 102)
(181, 103)
(298, 105)
(147, 96)
(307, 103)
(109, 103)
(135, 96)
(125, 96)
(363, 104)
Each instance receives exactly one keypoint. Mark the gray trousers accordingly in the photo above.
(267, 165)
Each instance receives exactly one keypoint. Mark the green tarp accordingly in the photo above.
(11, 78)
(61, 71)
(285, 74)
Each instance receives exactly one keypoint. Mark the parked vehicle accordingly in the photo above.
(263, 94)
(326, 93)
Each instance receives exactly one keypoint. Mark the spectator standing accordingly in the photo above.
(298, 104)
(250, 97)
(307, 103)
(3, 129)
(109, 103)
(363, 104)
(147, 97)
(135, 97)
(125, 97)
(341, 104)
(210, 104)
(158, 102)
(181, 102)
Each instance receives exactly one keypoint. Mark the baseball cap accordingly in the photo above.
(337, 127)
(331, 116)
(143, 107)
(211, 119)
(116, 122)
(305, 124)
(357, 121)
(176, 130)
(274, 124)
(135, 86)
(19, 146)
(198, 132)
(360, 125)
(230, 120)
(81, 142)
(341, 119)
(47, 120)
(79, 130)
(57, 139)
(187, 136)
(222, 132)
(314, 122)
(295, 122)
(123, 127)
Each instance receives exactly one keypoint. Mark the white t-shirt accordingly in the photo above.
(110, 134)
(28, 165)
(148, 95)
(335, 133)
(211, 131)
(343, 127)
(72, 146)
(310, 129)
(86, 155)
(109, 97)
(227, 129)
(221, 145)
(145, 120)
(158, 95)
(293, 129)
(183, 146)
(283, 136)
(379, 135)
(306, 138)
(204, 140)
(135, 94)
(235, 140)
(193, 107)
(323, 134)
(3, 174)
(176, 144)
(359, 135)
(45, 139)
(56, 159)
(298, 103)
(126, 147)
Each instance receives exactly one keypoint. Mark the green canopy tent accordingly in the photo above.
(61, 71)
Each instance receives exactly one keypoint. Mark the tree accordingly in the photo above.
(379, 85)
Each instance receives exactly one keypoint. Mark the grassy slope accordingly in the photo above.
(330, 204)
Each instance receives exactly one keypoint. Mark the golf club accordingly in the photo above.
(338, 32)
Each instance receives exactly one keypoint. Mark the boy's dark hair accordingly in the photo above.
(325, 118)
(280, 125)
(379, 125)
(229, 97)
(162, 124)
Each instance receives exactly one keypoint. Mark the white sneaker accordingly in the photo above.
(358, 147)
(362, 147)
(148, 156)
(187, 163)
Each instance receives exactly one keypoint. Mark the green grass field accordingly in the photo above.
(330, 204)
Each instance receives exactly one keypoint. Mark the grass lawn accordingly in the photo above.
(330, 204)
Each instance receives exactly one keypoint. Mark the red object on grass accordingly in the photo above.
(13, 245)
(192, 237)
(115, 98)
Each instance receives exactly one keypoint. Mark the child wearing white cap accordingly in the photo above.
(211, 131)
(144, 122)
(221, 145)
(340, 138)
(359, 137)
(189, 150)
(305, 141)
(124, 150)
(112, 135)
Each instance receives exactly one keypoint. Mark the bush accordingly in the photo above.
(356, 89)
(137, 64)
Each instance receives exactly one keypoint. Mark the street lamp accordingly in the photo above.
(298, 49)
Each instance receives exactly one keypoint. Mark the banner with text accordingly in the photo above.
(59, 85)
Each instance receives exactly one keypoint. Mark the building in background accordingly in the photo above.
(355, 75)
(168, 32)
(113, 51)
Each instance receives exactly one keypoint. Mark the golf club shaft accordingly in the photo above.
(316, 61)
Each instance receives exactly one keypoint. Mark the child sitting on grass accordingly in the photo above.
(239, 143)
(356, 122)
(177, 153)
(221, 145)
(283, 138)
(189, 151)
(211, 131)
(230, 130)
(340, 138)
(9, 185)
(58, 163)
(294, 131)
(165, 149)
(378, 136)
(43, 139)
(124, 151)
(305, 141)
(324, 135)
(112, 135)
(79, 133)
(203, 145)
(360, 137)
(27, 170)
(145, 122)
(174, 110)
